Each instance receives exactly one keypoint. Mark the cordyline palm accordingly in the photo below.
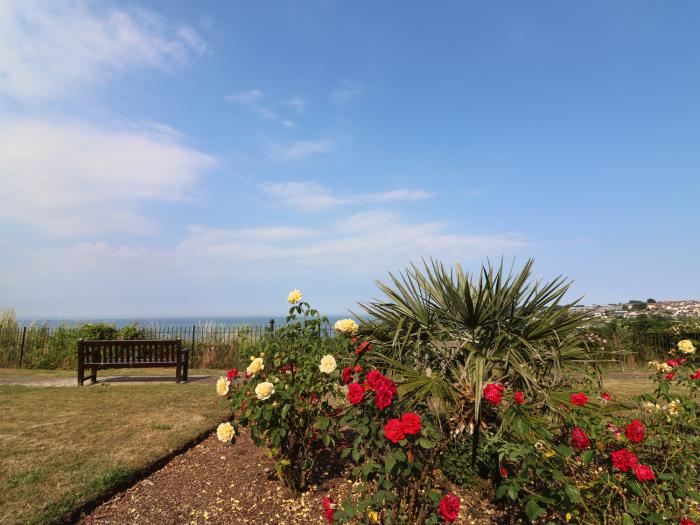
(445, 333)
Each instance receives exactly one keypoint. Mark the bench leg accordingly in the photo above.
(93, 376)
(81, 374)
(186, 366)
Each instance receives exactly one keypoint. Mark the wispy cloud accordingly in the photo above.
(309, 196)
(50, 49)
(347, 91)
(69, 179)
(390, 239)
(297, 103)
(252, 99)
(299, 149)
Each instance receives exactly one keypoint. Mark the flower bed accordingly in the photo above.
(582, 458)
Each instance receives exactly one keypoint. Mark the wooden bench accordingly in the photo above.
(101, 355)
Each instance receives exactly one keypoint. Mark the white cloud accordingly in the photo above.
(302, 196)
(385, 239)
(346, 92)
(311, 196)
(53, 48)
(73, 179)
(299, 149)
(297, 103)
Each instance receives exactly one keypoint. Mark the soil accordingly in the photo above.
(217, 483)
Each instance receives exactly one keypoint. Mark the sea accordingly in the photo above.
(164, 321)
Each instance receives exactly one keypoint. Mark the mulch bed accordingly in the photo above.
(216, 483)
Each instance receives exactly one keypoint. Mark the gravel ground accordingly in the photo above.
(215, 483)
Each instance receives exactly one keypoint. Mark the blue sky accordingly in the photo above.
(203, 158)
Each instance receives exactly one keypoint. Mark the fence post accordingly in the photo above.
(272, 325)
(194, 330)
(21, 348)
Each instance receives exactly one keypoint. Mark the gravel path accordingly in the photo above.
(215, 483)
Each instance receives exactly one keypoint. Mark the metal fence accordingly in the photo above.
(211, 345)
(224, 346)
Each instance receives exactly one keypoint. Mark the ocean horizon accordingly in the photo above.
(120, 322)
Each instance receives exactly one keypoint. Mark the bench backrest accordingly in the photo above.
(132, 351)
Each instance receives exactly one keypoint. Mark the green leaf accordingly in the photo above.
(563, 450)
(501, 490)
(426, 443)
(520, 425)
(572, 493)
(655, 518)
(532, 510)
(389, 462)
(587, 457)
(627, 519)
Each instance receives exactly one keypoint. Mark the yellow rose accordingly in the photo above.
(222, 385)
(256, 364)
(655, 364)
(328, 364)
(373, 516)
(264, 390)
(225, 432)
(346, 326)
(294, 296)
(686, 346)
(674, 407)
(663, 367)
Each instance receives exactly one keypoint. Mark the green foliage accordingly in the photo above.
(456, 463)
(445, 334)
(552, 475)
(98, 331)
(131, 332)
(298, 421)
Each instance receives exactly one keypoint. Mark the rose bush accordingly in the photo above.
(286, 395)
(597, 463)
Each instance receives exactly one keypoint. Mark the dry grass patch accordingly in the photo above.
(62, 447)
(29, 373)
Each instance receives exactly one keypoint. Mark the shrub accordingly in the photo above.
(131, 332)
(98, 331)
(591, 462)
(286, 395)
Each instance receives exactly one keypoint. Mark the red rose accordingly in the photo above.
(643, 472)
(374, 379)
(346, 375)
(410, 423)
(635, 431)
(449, 508)
(328, 509)
(672, 363)
(686, 521)
(519, 397)
(355, 393)
(504, 472)
(357, 369)
(669, 376)
(232, 374)
(365, 346)
(579, 399)
(623, 459)
(314, 398)
(605, 396)
(695, 375)
(393, 431)
(579, 439)
(384, 395)
(492, 393)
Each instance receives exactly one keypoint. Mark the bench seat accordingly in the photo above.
(101, 355)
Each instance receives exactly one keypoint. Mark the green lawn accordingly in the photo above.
(61, 447)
